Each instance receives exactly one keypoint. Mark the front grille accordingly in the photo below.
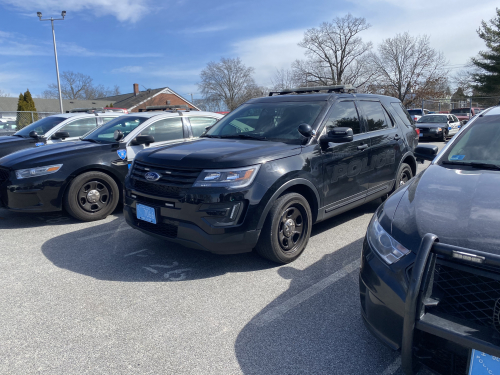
(4, 175)
(424, 130)
(162, 229)
(467, 295)
(173, 182)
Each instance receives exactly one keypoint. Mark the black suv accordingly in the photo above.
(262, 175)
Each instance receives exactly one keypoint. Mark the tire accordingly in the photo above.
(444, 136)
(287, 229)
(91, 196)
(404, 175)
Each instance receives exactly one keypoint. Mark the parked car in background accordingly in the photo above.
(430, 264)
(464, 114)
(438, 126)
(7, 127)
(53, 129)
(417, 113)
(86, 177)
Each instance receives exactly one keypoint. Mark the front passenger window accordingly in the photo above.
(343, 114)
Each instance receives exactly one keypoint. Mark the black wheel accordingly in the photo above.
(91, 196)
(286, 230)
(404, 175)
(444, 135)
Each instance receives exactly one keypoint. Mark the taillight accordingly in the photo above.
(418, 131)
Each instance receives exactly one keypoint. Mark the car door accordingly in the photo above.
(76, 129)
(455, 124)
(164, 131)
(387, 144)
(200, 123)
(344, 183)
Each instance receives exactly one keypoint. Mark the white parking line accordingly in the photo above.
(103, 233)
(296, 300)
(135, 252)
(393, 367)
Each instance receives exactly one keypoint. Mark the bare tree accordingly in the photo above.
(4, 94)
(409, 69)
(284, 79)
(335, 53)
(228, 82)
(78, 86)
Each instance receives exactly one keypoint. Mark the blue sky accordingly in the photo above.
(167, 43)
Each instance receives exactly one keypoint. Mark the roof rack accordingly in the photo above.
(85, 110)
(305, 90)
(172, 108)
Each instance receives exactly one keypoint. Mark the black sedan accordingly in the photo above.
(430, 266)
(438, 126)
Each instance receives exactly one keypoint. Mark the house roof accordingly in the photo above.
(130, 101)
(52, 105)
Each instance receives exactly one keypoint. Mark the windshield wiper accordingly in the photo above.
(246, 136)
(474, 165)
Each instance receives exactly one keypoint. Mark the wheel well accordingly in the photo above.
(412, 163)
(307, 193)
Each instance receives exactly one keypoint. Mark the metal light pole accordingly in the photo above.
(51, 19)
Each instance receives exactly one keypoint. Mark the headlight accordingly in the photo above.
(38, 171)
(232, 178)
(439, 129)
(387, 247)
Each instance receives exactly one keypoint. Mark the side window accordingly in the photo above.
(402, 113)
(376, 117)
(198, 124)
(168, 129)
(455, 119)
(343, 114)
(106, 119)
(80, 127)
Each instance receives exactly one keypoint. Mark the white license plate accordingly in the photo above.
(146, 213)
(482, 363)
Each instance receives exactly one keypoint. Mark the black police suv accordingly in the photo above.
(86, 177)
(430, 267)
(52, 129)
(262, 175)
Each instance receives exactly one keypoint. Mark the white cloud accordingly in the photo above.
(123, 10)
(206, 29)
(128, 69)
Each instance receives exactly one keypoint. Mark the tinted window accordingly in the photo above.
(432, 119)
(402, 113)
(79, 128)
(479, 143)
(375, 115)
(343, 114)
(41, 126)
(455, 118)
(415, 112)
(124, 123)
(198, 124)
(274, 121)
(165, 130)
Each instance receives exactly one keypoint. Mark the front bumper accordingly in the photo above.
(424, 322)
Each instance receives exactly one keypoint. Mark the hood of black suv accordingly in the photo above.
(461, 207)
(218, 153)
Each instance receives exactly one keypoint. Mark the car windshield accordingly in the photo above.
(41, 126)
(479, 143)
(276, 121)
(461, 111)
(126, 124)
(433, 119)
(415, 112)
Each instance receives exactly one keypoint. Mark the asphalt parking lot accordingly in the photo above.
(101, 298)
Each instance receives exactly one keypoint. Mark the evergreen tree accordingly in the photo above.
(21, 104)
(26, 104)
(488, 81)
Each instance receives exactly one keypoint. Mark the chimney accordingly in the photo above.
(136, 89)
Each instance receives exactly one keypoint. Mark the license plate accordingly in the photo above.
(146, 213)
(482, 363)
(420, 135)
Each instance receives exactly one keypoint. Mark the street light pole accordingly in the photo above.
(51, 19)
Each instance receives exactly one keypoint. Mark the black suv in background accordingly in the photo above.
(262, 175)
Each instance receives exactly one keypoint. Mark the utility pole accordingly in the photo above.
(51, 19)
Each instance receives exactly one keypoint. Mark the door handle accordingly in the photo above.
(397, 137)
(362, 147)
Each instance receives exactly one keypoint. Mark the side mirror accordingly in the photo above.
(425, 152)
(306, 130)
(143, 140)
(118, 135)
(33, 134)
(337, 135)
(60, 135)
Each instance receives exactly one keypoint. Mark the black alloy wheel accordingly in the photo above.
(91, 196)
(405, 174)
(444, 135)
(287, 228)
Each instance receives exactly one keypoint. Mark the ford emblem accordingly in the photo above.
(152, 176)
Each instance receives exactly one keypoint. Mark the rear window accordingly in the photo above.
(415, 112)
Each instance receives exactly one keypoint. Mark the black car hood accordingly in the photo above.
(7, 139)
(49, 154)
(218, 153)
(461, 207)
(431, 125)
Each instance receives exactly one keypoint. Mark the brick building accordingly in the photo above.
(140, 99)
